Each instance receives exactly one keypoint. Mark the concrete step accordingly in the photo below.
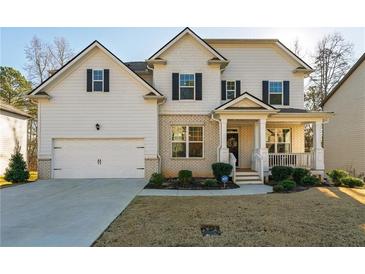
(251, 182)
(247, 173)
(248, 177)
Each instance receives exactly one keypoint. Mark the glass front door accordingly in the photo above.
(232, 144)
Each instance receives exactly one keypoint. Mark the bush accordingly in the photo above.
(157, 179)
(221, 169)
(278, 188)
(299, 174)
(280, 173)
(288, 185)
(210, 182)
(310, 181)
(352, 181)
(336, 175)
(185, 177)
(17, 171)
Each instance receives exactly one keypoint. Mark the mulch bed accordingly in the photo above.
(197, 184)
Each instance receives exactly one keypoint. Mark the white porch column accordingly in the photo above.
(224, 152)
(262, 144)
(317, 146)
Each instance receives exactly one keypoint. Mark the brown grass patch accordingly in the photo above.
(308, 218)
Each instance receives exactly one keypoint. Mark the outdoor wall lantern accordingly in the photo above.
(97, 127)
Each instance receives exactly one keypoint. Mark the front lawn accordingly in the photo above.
(315, 217)
(33, 176)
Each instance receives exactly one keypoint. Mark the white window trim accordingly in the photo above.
(187, 87)
(235, 89)
(282, 92)
(276, 139)
(187, 141)
(102, 81)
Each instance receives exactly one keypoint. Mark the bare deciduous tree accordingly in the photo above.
(60, 51)
(297, 49)
(332, 59)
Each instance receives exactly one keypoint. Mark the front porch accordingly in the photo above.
(255, 139)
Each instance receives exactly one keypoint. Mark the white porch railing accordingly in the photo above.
(304, 160)
(232, 162)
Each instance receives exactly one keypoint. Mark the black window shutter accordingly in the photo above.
(175, 86)
(238, 88)
(223, 90)
(265, 91)
(89, 81)
(286, 93)
(198, 86)
(106, 80)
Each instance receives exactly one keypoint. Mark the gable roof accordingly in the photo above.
(194, 35)
(83, 53)
(249, 96)
(343, 80)
(303, 65)
(11, 109)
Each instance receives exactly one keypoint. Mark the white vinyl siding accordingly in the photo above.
(73, 113)
(12, 127)
(344, 134)
(188, 56)
(254, 63)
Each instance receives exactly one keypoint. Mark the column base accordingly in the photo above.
(224, 155)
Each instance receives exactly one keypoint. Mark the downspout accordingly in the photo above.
(220, 141)
(158, 126)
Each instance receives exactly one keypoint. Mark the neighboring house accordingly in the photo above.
(13, 133)
(344, 135)
(192, 103)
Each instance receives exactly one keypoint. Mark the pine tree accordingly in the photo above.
(17, 171)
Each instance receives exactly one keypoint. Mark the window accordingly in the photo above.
(98, 79)
(275, 92)
(187, 142)
(231, 89)
(278, 140)
(187, 86)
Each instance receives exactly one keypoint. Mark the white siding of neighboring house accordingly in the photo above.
(188, 56)
(254, 63)
(344, 135)
(13, 128)
(122, 113)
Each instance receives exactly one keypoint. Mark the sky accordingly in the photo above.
(137, 44)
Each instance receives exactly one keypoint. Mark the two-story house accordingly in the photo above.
(191, 104)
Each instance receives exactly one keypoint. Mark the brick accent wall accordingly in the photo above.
(151, 166)
(44, 169)
(200, 167)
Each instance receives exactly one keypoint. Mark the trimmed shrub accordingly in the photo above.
(221, 169)
(336, 175)
(278, 188)
(310, 181)
(280, 173)
(185, 177)
(157, 179)
(17, 171)
(352, 181)
(299, 174)
(210, 182)
(288, 185)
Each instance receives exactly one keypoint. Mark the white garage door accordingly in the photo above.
(98, 158)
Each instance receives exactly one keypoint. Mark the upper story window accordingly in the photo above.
(98, 80)
(187, 86)
(230, 89)
(276, 93)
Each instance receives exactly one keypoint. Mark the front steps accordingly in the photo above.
(245, 176)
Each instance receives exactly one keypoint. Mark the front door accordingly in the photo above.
(232, 144)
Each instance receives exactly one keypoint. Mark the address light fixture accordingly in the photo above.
(97, 126)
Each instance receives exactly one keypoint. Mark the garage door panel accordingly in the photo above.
(98, 158)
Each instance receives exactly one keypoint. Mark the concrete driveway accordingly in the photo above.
(62, 212)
